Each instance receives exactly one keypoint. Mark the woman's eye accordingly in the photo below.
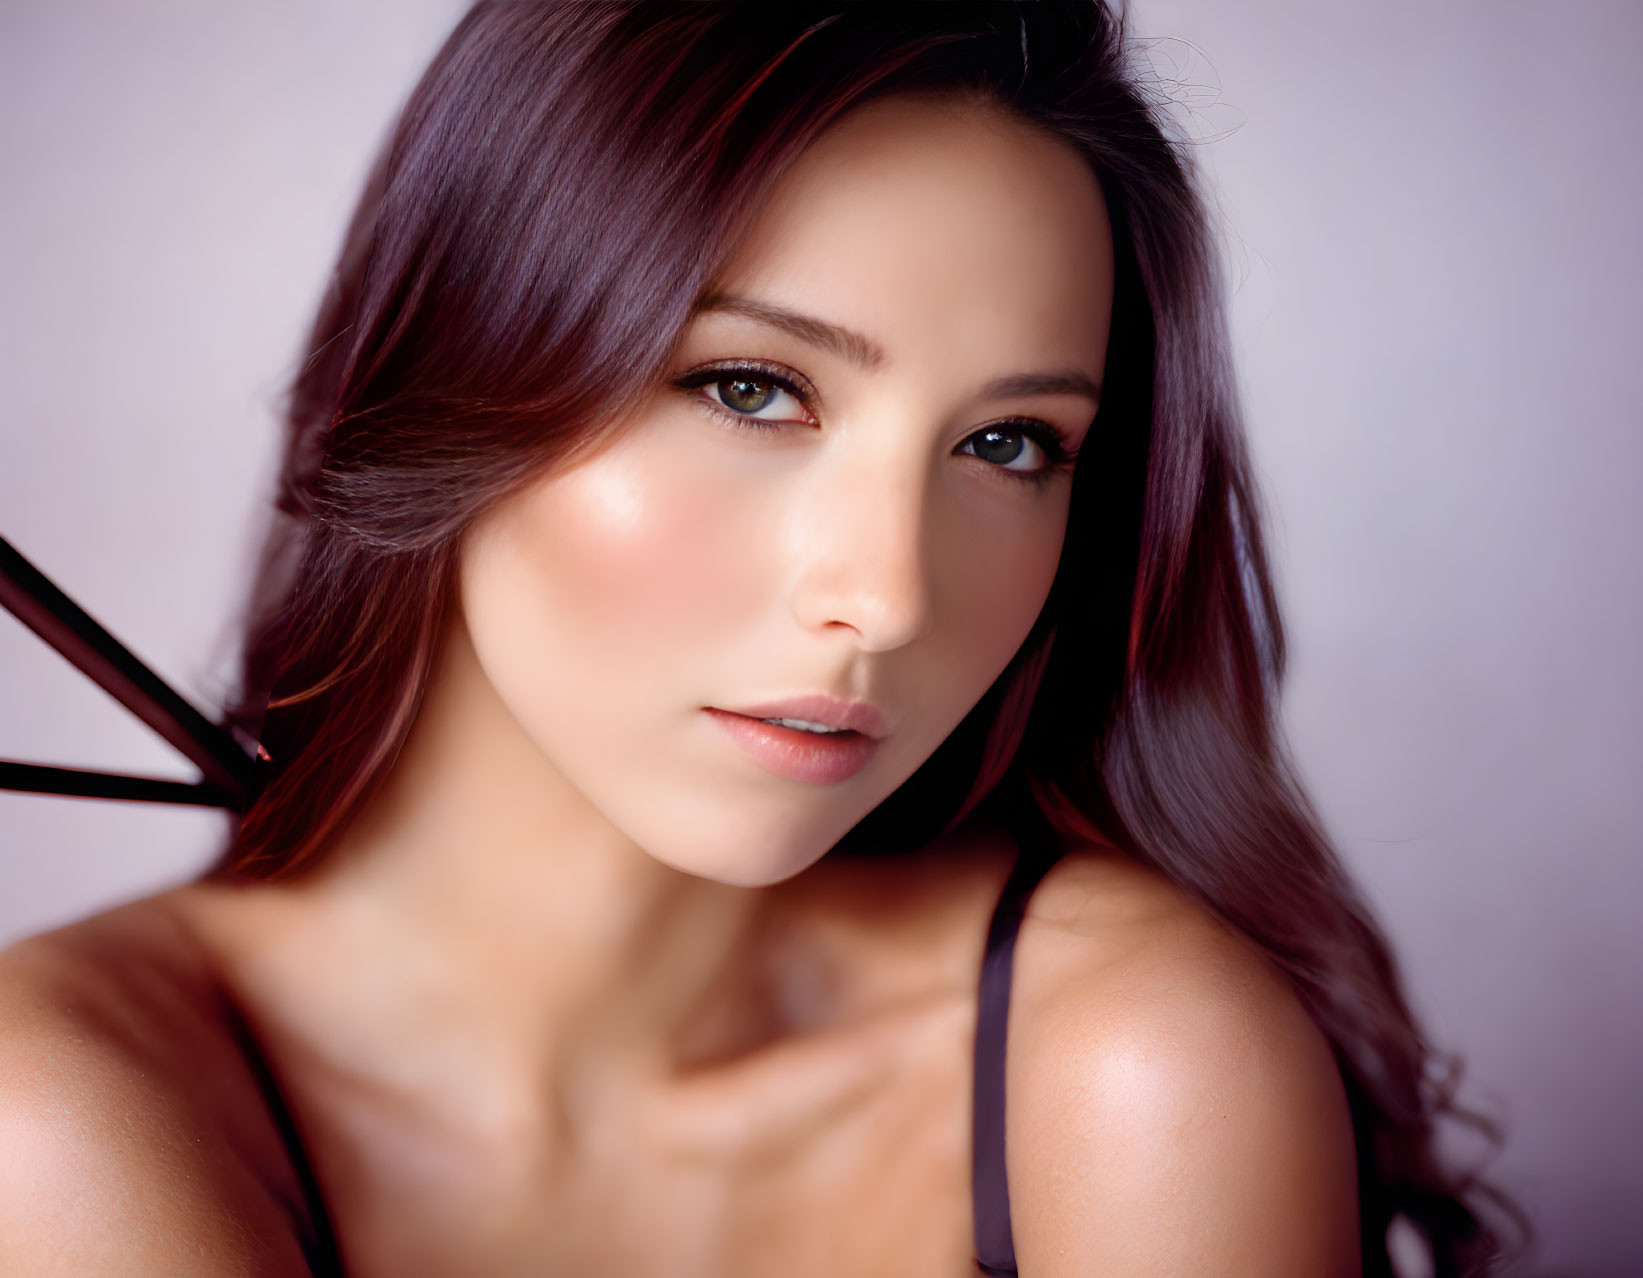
(753, 396)
(749, 394)
(1009, 447)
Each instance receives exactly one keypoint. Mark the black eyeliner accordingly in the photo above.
(794, 383)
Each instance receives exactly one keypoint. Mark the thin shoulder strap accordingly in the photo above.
(989, 1186)
(316, 1234)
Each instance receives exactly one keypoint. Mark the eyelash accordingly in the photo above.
(1050, 441)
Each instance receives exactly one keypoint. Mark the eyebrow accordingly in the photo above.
(862, 350)
(834, 338)
(1070, 382)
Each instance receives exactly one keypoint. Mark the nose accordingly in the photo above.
(862, 545)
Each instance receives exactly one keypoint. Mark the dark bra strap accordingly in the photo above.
(989, 1186)
(315, 1233)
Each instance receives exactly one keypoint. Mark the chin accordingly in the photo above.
(741, 849)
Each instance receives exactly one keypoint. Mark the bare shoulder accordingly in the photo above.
(137, 1141)
(1172, 1106)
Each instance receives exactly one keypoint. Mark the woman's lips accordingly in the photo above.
(817, 757)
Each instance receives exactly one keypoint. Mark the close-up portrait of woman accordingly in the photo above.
(736, 713)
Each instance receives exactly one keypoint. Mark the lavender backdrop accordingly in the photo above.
(1433, 238)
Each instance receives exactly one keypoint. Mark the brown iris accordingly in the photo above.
(744, 394)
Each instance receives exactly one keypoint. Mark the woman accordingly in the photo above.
(764, 534)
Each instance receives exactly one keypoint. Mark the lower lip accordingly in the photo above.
(796, 754)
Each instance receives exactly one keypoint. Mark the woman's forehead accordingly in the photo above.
(934, 225)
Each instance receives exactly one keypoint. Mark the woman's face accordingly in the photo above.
(843, 508)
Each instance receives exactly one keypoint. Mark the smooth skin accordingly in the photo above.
(578, 993)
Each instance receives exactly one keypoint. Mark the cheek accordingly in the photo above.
(625, 552)
(997, 586)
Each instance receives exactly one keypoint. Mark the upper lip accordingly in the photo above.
(817, 707)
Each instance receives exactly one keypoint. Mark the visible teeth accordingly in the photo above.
(804, 725)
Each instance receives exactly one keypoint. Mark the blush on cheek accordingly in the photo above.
(631, 548)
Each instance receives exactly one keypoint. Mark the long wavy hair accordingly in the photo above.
(559, 191)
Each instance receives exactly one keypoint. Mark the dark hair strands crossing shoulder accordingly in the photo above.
(558, 193)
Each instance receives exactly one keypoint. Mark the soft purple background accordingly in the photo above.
(1431, 214)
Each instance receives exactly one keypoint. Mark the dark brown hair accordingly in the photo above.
(561, 188)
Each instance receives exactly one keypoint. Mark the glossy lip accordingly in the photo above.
(794, 753)
(857, 716)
